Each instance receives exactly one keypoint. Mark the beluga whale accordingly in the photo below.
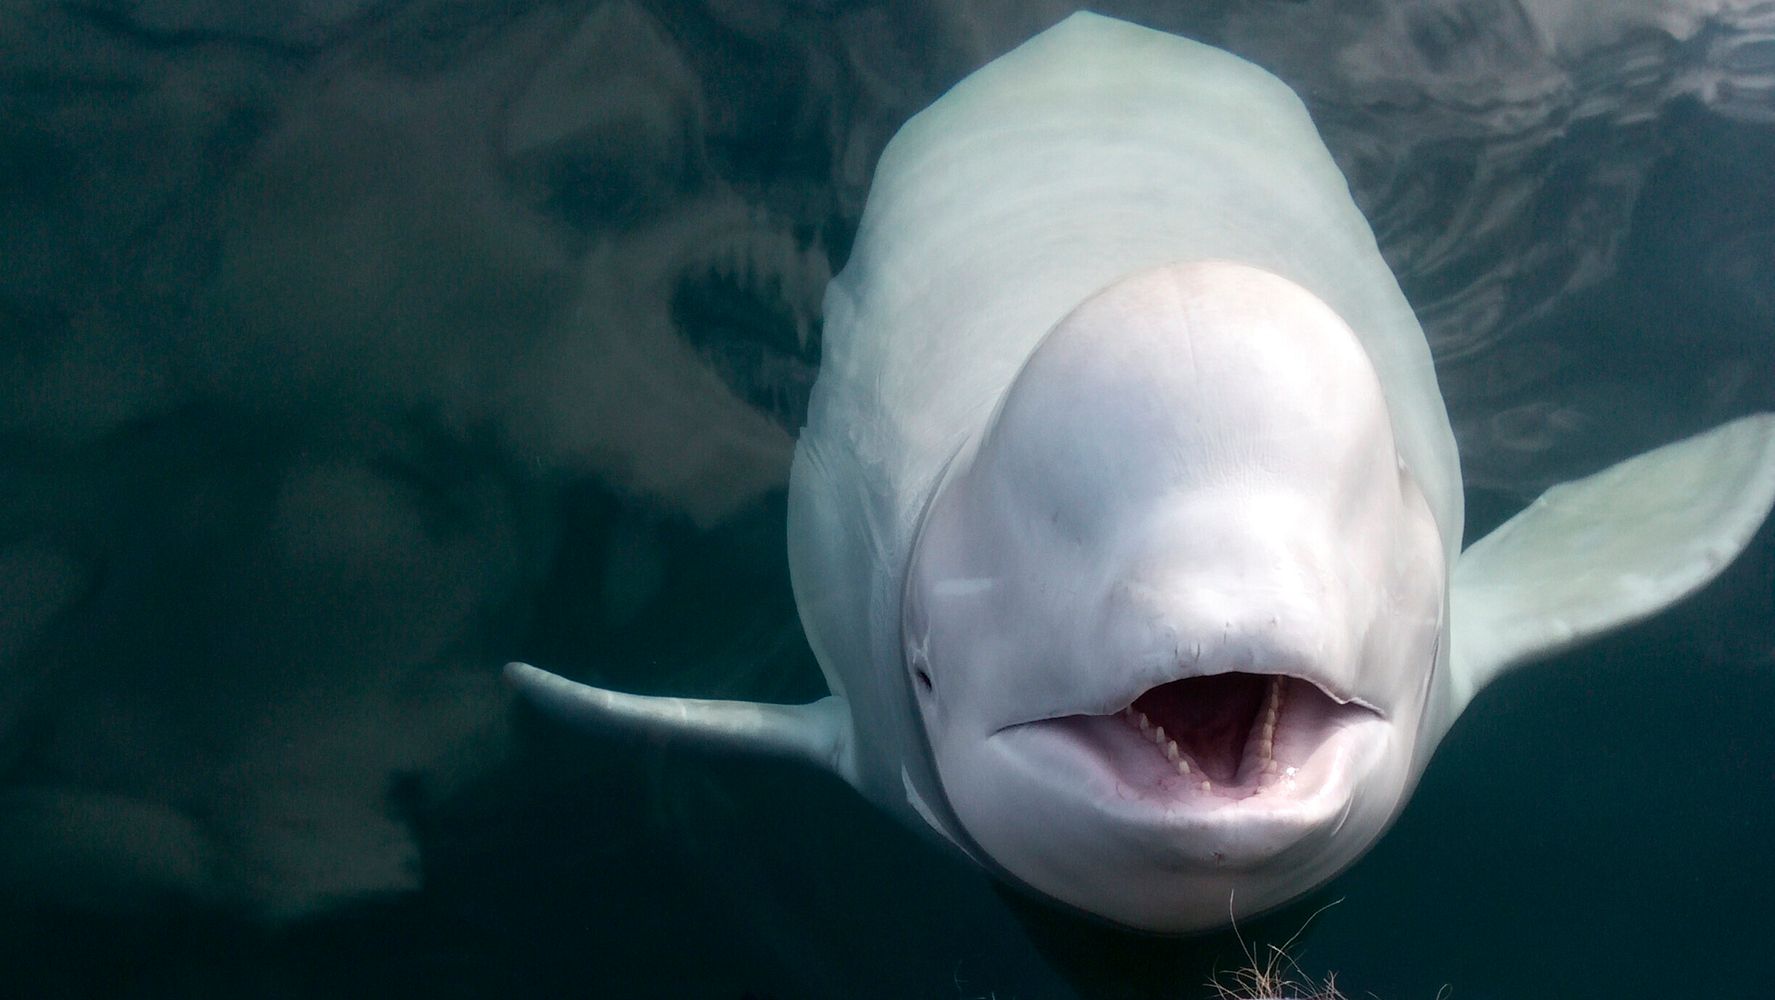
(1126, 522)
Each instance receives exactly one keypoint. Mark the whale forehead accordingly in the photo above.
(1205, 375)
(1198, 454)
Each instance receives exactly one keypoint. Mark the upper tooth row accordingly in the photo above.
(1266, 733)
(1157, 735)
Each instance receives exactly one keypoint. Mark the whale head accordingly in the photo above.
(1171, 621)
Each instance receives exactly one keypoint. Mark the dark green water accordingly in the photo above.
(350, 350)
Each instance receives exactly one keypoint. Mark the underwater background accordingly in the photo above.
(350, 348)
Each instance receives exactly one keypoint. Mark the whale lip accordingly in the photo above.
(1171, 819)
(1238, 745)
(1129, 696)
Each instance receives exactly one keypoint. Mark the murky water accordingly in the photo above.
(353, 348)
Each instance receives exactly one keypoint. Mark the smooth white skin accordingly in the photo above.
(1095, 151)
(1194, 473)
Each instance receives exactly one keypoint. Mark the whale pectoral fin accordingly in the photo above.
(1598, 553)
(819, 732)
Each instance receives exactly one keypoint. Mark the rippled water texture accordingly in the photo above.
(351, 347)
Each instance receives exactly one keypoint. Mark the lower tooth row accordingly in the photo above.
(1157, 735)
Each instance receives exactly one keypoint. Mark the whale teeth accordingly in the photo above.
(1266, 729)
(1173, 752)
(1258, 768)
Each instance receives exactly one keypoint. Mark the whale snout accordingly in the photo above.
(1173, 615)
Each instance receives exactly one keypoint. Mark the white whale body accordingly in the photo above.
(1126, 522)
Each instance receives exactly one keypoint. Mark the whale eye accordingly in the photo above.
(924, 679)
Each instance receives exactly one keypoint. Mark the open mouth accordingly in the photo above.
(1237, 730)
(1230, 736)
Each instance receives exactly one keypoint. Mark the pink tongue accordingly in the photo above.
(1209, 717)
